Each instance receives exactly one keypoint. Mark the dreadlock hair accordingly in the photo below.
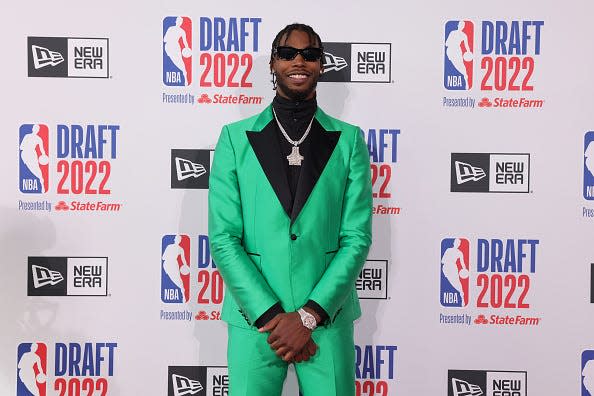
(314, 38)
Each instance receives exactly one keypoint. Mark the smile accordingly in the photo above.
(298, 77)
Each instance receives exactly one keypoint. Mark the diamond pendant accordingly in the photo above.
(295, 158)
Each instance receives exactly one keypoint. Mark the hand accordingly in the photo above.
(308, 351)
(287, 336)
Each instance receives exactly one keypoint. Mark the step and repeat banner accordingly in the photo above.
(479, 123)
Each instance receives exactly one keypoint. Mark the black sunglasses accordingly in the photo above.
(310, 54)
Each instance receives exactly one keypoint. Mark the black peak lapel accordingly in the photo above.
(317, 154)
(265, 145)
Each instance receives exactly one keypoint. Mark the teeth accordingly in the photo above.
(298, 75)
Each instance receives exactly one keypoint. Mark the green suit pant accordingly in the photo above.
(255, 370)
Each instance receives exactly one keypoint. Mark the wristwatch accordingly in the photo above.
(307, 319)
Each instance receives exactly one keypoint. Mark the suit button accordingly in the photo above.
(293, 237)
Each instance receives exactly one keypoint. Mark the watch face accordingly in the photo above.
(307, 319)
(309, 322)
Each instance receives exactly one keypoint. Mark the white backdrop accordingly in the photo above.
(405, 349)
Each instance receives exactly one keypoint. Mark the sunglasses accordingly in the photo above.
(310, 54)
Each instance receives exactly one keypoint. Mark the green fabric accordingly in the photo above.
(255, 370)
(250, 232)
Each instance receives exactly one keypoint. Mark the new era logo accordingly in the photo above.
(463, 388)
(183, 386)
(372, 282)
(43, 57)
(488, 383)
(357, 62)
(186, 169)
(466, 172)
(68, 57)
(190, 168)
(197, 380)
(333, 62)
(67, 276)
(490, 172)
(44, 276)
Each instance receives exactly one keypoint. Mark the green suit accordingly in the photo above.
(270, 251)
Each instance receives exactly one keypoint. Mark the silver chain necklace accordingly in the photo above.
(295, 157)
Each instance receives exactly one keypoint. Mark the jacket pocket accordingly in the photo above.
(330, 257)
(256, 259)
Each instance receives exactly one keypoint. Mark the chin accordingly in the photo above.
(297, 94)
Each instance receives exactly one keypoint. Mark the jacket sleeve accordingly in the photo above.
(225, 229)
(354, 236)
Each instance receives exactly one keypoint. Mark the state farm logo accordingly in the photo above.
(485, 102)
(61, 205)
(68, 57)
(190, 168)
(67, 276)
(229, 99)
(357, 62)
(204, 98)
(490, 172)
(516, 320)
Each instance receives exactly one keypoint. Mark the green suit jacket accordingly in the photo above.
(269, 251)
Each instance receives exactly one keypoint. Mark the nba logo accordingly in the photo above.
(589, 166)
(458, 55)
(455, 271)
(33, 158)
(31, 369)
(587, 373)
(175, 269)
(177, 51)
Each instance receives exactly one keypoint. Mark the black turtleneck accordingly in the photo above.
(294, 116)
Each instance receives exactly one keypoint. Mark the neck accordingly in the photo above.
(286, 99)
(294, 115)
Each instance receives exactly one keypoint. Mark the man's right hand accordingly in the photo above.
(307, 352)
(288, 337)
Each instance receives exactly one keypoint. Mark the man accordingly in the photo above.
(290, 228)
